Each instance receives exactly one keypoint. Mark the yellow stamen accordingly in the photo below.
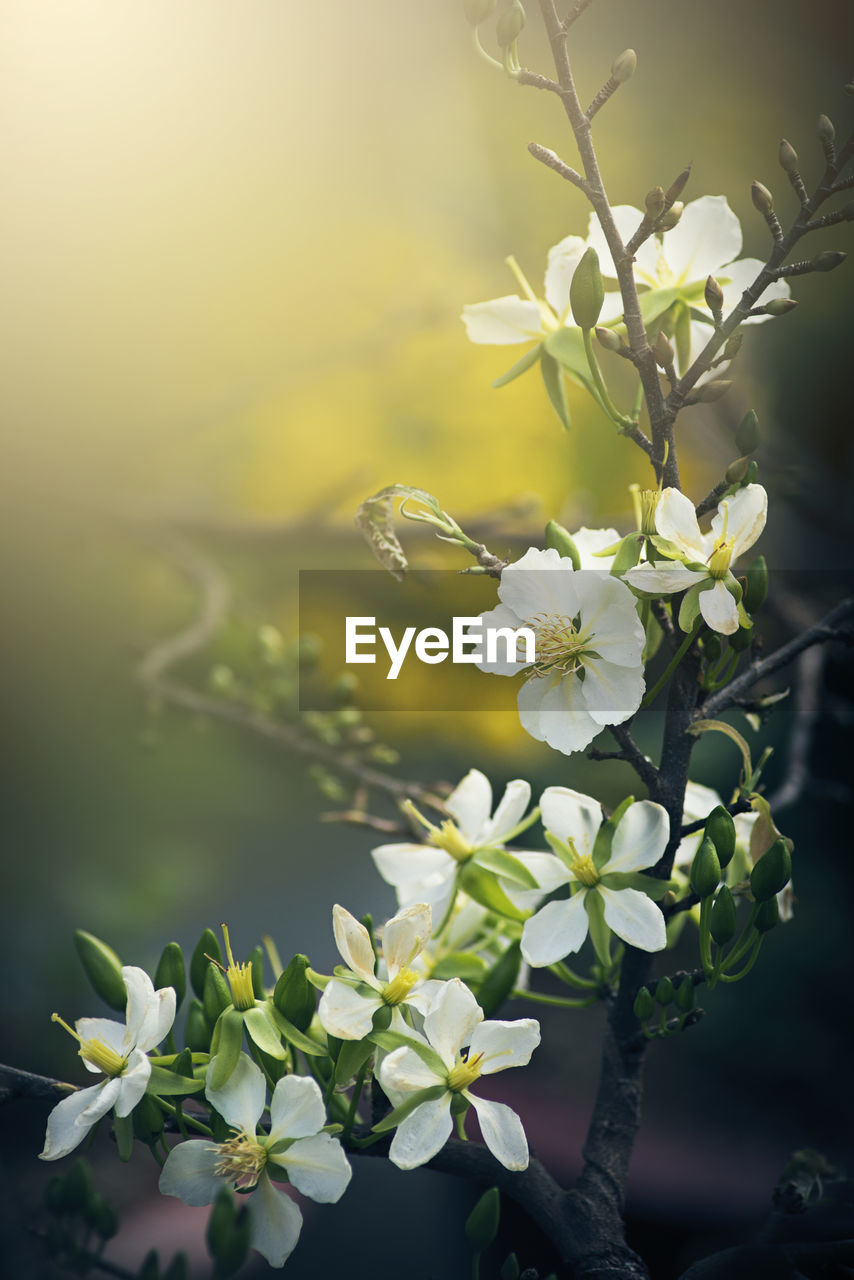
(241, 1160)
(560, 645)
(447, 837)
(396, 991)
(100, 1055)
(583, 868)
(521, 279)
(239, 977)
(465, 1072)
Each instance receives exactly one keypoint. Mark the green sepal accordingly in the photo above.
(351, 1058)
(653, 637)
(503, 863)
(482, 1223)
(600, 934)
(77, 1188)
(228, 1035)
(103, 969)
(178, 1268)
(294, 994)
(461, 964)
(479, 884)
(207, 949)
(605, 835)
(197, 1032)
(182, 1063)
(560, 540)
(689, 609)
(499, 982)
(391, 1040)
(650, 885)
(292, 1034)
(655, 302)
(150, 1269)
(147, 1120)
(627, 555)
(556, 388)
(644, 1005)
(756, 590)
(164, 1083)
(170, 971)
(664, 992)
(529, 359)
(566, 345)
(263, 1032)
(509, 1268)
(216, 995)
(123, 1129)
(399, 1114)
(256, 959)
(367, 922)
(686, 996)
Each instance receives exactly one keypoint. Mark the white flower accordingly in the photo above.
(347, 1007)
(704, 572)
(119, 1051)
(429, 872)
(672, 270)
(603, 876)
(455, 1020)
(294, 1150)
(588, 671)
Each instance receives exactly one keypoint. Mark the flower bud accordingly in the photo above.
(197, 1033)
(78, 1186)
(711, 391)
(624, 66)
(103, 1219)
(510, 24)
(711, 646)
(228, 1233)
(170, 971)
(825, 130)
(714, 296)
(610, 340)
(722, 921)
(747, 433)
(663, 350)
(150, 1269)
(664, 992)
(788, 157)
(741, 639)
(705, 869)
(587, 292)
(510, 1268)
(736, 471)
(654, 202)
(561, 541)
(256, 960)
(756, 588)
(678, 185)
(685, 997)
(762, 199)
(767, 916)
(669, 219)
(828, 260)
(772, 872)
(477, 11)
(482, 1223)
(644, 1005)
(733, 346)
(294, 995)
(147, 1120)
(752, 472)
(779, 306)
(207, 949)
(720, 829)
(216, 995)
(103, 968)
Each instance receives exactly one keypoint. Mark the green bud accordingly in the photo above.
(170, 971)
(828, 260)
(780, 306)
(221, 1220)
(722, 922)
(772, 872)
(664, 992)
(767, 916)
(756, 589)
(663, 350)
(78, 1186)
(150, 1269)
(294, 995)
(711, 646)
(197, 1033)
(608, 339)
(477, 11)
(510, 24)
(482, 1222)
(686, 996)
(720, 829)
(628, 554)
(678, 185)
(714, 295)
(221, 679)
(103, 969)
(709, 392)
(256, 959)
(825, 130)
(752, 472)
(762, 199)
(624, 66)
(736, 471)
(788, 157)
(654, 202)
(732, 345)
(561, 541)
(509, 1268)
(672, 217)
(644, 1005)
(103, 1219)
(705, 869)
(147, 1120)
(747, 433)
(216, 995)
(500, 980)
(741, 639)
(178, 1268)
(207, 949)
(586, 291)
(182, 1064)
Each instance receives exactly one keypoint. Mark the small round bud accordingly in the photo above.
(762, 198)
(714, 295)
(608, 339)
(711, 646)
(477, 11)
(624, 65)
(756, 584)
(788, 157)
(663, 350)
(510, 24)
(767, 916)
(685, 997)
(671, 217)
(722, 922)
(720, 829)
(197, 1034)
(587, 292)
(747, 432)
(772, 872)
(170, 971)
(294, 995)
(779, 306)
(644, 1005)
(654, 202)
(664, 992)
(709, 392)
(828, 260)
(741, 639)
(733, 346)
(752, 472)
(482, 1223)
(736, 471)
(825, 129)
(705, 869)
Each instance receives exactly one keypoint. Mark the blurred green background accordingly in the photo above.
(237, 240)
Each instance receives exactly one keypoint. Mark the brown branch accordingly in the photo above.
(553, 161)
(810, 669)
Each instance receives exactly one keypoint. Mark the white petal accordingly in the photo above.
(699, 802)
(451, 1020)
(346, 1012)
(612, 693)
(535, 582)
(502, 1132)
(505, 1044)
(589, 541)
(640, 838)
(501, 618)
(405, 936)
(510, 811)
(554, 932)
(353, 942)
(241, 1099)
(662, 578)
(548, 870)
(470, 804)
(635, 918)
(421, 998)
(676, 520)
(422, 1133)
(189, 1172)
(317, 1167)
(403, 1071)
(112, 1034)
(65, 1125)
(403, 864)
(628, 219)
(503, 321)
(564, 721)
(743, 517)
(274, 1222)
(103, 1097)
(704, 240)
(140, 991)
(569, 815)
(563, 259)
(719, 609)
(133, 1082)
(296, 1108)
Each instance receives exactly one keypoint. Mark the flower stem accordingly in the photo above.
(355, 1099)
(651, 694)
(559, 1002)
(742, 973)
(571, 978)
(605, 400)
(187, 1119)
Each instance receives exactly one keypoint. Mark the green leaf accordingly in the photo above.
(295, 1037)
(689, 609)
(230, 1040)
(627, 554)
(391, 1040)
(505, 864)
(460, 965)
(351, 1058)
(375, 519)
(164, 1083)
(123, 1129)
(600, 934)
(415, 1099)
(484, 888)
(521, 366)
(556, 388)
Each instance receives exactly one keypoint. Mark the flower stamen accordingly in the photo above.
(464, 1073)
(239, 977)
(95, 1051)
(560, 645)
(241, 1159)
